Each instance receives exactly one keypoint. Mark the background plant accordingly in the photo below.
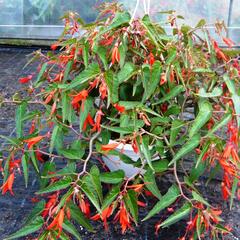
(125, 79)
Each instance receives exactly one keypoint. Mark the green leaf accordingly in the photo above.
(150, 183)
(31, 227)
(69, 227)
(201, 23)
(172, 94)
(202, 70)
(125, 130)
(201, 155)
(160, 165)
(225, 119)
(112, 177)
(146, 151)
(154, 81)
(72, 154)
(178, 215)
(102, 53)
(13, 141)
(79, 217)
(68, 170)
(110, 197)
(95, 177)
(121, 18)
(128, 70)
(175, 129)
(90, 72)
(85, 53)
(199, 198)
(54, 137)
(40, 74)
(186, 148)
(66, 107)
(56, 186)
(36, 211)
(20, 112)
(88, 188)
(113, 86)
(171, 56)
(204, 114)
(165, 201)
(216, 92)
(34, 161)
(25, 158)
(130, 200)
(88, 105)
(67, 70)
(233, 192)
(235, 96)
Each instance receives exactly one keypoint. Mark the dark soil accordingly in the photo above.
(14, 209)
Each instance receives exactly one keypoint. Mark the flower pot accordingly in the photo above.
(114, 162)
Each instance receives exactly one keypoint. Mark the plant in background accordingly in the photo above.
(124, 83)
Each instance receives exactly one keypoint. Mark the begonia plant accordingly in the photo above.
(173, 97)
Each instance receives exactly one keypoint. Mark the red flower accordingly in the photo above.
(88, 120)
(163, 79)
(54, 46)
(84, 206)
(219, 52)
(103, 90)
(50, 204)
(57, 222)
(135, 146)
(151, 59)
(119, 108)
(109, 147)
(98, 118)
(115, 54)
(80, 97)
(228, 41)
(32, 141)
(7, 186)
(25, 79)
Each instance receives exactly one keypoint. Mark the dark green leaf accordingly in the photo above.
(31, 227)
(178, 215)
(112, 177)
(175, 129)
(20, 112)
(69, 227)
(25, 159)
(36, 211)
(56, 186)
(165, 201)
(130, 200)
(204, 114)
(150, 183)
(111, 196)
(128, 70)
(186, 148)
(146, 151)
(95, 177)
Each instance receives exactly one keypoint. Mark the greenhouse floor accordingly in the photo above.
(14, 209)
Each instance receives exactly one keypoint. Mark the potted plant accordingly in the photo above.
(125, 91)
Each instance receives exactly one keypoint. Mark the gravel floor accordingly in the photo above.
(13, 210)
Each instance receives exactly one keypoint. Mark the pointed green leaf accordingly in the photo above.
(88, 105)
(90, 72)
(95, 177)
(110, 197)
(223, 122)
(112, 177)
(216, 92)
(146, 151)
(56, 186)
(69, 227)
(130, 200)
(25, 159)
(178, 215)
(79, 217)
(150, 183)
(186, 148)
(175, 129)
(204, 114)
(20, 112)
(172, 94)
(128, 70)
(36, 211)
(31, 227)
(165, 201)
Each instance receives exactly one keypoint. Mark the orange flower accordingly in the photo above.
(7, 186)
(109, 147)
(228, 42)
(163, 79)
(84, 206)
(54, 46)
(119, 108)
(32, 141)
(135, 146)
(25, 79)
(219, 52)
(88, 120)
(151, 59)
(115, 54)
(80, 97)
(103, 90)
(98, 119)
(50, 204)
(57, 222)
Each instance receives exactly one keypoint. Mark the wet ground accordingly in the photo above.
(14, 209)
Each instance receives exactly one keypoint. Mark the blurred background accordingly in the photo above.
(40, 19)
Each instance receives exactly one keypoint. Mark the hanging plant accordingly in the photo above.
(124, 105)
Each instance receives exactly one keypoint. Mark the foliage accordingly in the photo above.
(127, 80)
